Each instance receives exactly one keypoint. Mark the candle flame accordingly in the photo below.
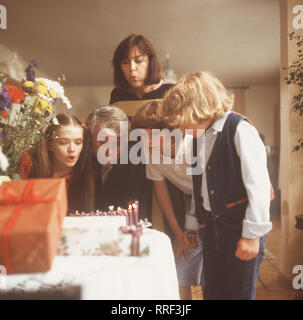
(111, 208)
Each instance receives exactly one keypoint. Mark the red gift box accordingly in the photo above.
(31, 217)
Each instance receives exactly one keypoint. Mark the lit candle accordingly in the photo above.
(119, 211)
(135, 213)
(130, 215)
(111, 210)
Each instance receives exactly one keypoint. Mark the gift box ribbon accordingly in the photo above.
(29, 196)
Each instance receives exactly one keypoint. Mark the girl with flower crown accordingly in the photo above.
(64, 153)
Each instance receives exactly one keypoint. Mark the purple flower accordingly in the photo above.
(34, 63)
(3, 135)
(28, 90)
(5, 100)
(54, 101)
(30, 73)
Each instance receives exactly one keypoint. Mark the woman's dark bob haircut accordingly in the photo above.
(122, 53)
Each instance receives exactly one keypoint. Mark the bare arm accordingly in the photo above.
(164, 200)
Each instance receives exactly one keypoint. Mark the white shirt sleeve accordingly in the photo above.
(153, 173)
(191, 223)
(252, 153)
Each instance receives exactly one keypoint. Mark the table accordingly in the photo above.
(152, 277)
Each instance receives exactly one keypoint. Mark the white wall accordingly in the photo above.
(262, 107)
(84, 98)
(14, 65)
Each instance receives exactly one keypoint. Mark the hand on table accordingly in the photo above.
(247, 249)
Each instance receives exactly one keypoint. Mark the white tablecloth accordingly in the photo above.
(109, 277)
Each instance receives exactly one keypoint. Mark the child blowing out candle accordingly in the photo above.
(232, 196)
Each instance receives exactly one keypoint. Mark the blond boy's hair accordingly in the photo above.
(149, 116)
(196, 97)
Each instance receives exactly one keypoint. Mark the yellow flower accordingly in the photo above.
(28, 84)
(42, 82)
(52, 93)
(43, 103)
(42, 90)
(37, 110)
(49, 108)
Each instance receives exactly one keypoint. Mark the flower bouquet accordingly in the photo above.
(25, 109)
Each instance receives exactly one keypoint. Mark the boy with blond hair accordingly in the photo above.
(173, 189)
(232, 195)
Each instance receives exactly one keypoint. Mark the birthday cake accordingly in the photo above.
(110, 219)
(91, 221)
(117, 233)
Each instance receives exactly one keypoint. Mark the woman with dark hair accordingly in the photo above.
(138, 80)
(137, 71)
(64, 153)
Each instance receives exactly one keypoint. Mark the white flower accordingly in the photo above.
(58, 89)
(3, 161)
(44, 97)
(55, 121)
